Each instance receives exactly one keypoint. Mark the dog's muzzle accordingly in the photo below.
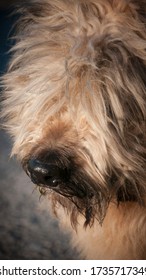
(46, 174)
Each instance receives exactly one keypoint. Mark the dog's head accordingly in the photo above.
(75, 101)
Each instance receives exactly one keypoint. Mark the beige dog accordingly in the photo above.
(75, 105)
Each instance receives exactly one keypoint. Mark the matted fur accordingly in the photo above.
(76, 89)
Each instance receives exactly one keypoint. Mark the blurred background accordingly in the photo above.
(27, 230)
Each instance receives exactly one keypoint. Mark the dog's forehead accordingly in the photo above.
(68, 65)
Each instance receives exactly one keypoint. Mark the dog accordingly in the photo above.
(74, 102)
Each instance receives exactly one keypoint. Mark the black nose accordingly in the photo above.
(47, 174)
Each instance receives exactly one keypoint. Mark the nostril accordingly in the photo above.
(45, 173)
(52, 181)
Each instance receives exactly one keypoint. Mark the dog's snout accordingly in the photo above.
(47, 174)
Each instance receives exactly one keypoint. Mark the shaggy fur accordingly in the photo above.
(75, 96)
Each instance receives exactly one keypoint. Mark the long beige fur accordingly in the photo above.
(76, 86)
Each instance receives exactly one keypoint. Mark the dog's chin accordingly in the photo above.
(80, 196)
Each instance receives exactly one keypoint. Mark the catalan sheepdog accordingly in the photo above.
(74, 102)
